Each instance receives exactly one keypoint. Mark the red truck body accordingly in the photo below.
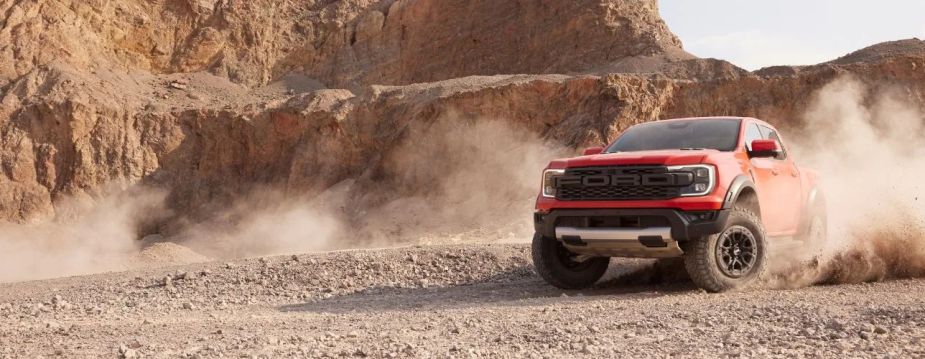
(783, 188)
(712, 190)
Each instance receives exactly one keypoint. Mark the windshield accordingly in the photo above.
(718, 134)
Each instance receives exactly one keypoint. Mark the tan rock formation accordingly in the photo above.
(348, 43)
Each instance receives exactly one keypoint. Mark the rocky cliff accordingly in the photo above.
(351, 43)
(212, 100)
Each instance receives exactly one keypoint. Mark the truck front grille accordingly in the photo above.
(616, 183)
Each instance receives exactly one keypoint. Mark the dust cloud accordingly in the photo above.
(454, 180)
(869, 149)
(87, 236)
(265, 222)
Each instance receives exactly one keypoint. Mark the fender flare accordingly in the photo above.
(738, 184)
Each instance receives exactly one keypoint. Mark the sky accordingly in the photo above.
(754, 34)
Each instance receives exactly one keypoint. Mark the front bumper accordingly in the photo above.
(649, 232)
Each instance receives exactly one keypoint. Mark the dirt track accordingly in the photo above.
(475, 300)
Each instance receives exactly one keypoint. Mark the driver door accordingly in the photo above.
(778, 186)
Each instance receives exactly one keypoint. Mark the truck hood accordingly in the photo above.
(662, 157)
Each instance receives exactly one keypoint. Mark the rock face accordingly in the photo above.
(350, 43)
(213, 100)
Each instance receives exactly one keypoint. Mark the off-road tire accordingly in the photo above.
(553, 263)
(702, 257)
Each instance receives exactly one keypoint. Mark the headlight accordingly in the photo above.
(549, 181)
(704, 179)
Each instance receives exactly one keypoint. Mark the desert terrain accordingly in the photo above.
(196, 178)
(443, 301)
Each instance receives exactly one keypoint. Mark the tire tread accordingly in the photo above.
(704, 272)
(544, 259)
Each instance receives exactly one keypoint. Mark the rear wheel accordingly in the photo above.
(732, 259)
(563, 268)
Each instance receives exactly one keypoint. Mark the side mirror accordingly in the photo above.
(765, 148)
(593, 150)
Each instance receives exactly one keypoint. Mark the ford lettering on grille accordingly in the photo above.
(621, 183)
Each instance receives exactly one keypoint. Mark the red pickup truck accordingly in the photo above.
(713, 190)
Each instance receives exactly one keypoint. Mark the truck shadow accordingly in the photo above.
(515, 287)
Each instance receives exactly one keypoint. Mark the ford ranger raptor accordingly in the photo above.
(713, 191)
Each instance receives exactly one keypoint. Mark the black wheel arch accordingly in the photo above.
(741, 186)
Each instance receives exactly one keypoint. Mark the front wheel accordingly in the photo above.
(564, 269)
(732, 259)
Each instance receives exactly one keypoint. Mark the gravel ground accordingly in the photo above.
(443, 301)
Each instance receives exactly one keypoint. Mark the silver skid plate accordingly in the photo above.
(619, 242)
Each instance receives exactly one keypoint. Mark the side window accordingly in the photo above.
(769, 134)
(751, 133)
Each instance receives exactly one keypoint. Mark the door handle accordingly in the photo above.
(775, 171)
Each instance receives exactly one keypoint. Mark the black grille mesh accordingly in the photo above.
(633, 170)
(605, 193)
